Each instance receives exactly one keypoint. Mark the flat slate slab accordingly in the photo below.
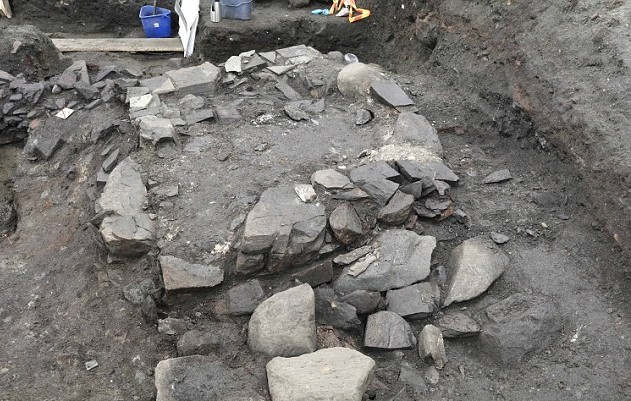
(124, 193)
(179, 274)
(414, 302)
(404, 259)
(390, 93)
(338, 374)
(377, 179)
(415, 170)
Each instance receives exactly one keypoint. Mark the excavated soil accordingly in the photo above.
(537, 89)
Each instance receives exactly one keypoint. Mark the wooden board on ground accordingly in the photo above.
(5, 7)
(119, 45)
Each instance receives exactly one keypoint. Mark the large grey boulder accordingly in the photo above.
(124, 193)
(284, 324)
(281, 227)
(128, 235)
(202, 79)
(179, 274)
(417, 130)
(473, 266)
(355, 79)
(331, 374)
(520, 326)
(199, 377)
(388, 330)
(404, 259)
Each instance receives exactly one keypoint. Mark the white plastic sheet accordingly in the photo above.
(188, 11)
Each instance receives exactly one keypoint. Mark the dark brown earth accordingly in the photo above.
(538, 89)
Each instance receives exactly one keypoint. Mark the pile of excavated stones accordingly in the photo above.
(349, 240)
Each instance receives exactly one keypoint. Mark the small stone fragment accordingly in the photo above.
(316, 274)
(233, 64)
(86, 90)
(499, 238)
(456, 324)
(431, 345)
(377, 179)
(296, 113)
(497, 177)
(154, 130)
(289, 92)
(352, 256)
(305, 192)
(364, 301)
(333, 312)
(110, 162)
(432, 376)
(181, 275)
(389, 93)
(331, 179)
(413, 302)
(346, 224)
(361, 265)
(363, 116)
(397, 209)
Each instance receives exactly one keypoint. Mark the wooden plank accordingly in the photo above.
(5, 7)
(119, 45)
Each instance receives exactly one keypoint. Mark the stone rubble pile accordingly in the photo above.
(346, 248)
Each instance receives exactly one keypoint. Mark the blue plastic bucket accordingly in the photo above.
(236, 9)
(158, 25)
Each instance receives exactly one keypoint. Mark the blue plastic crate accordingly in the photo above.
(236, 9)
(158, 25)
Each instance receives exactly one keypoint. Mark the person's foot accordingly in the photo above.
(343, 12)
